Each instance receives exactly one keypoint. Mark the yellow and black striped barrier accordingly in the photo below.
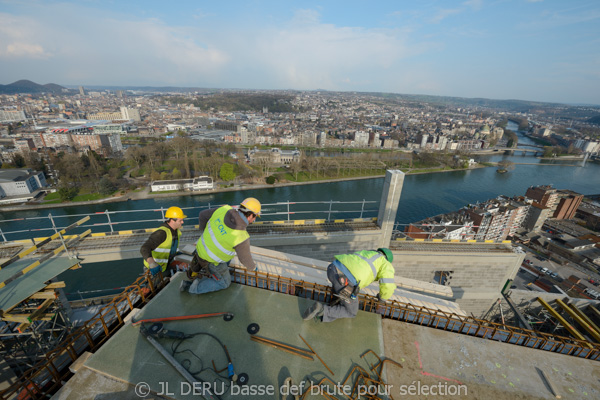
(262, 223)
(453, 241)
(43, 242)
(35, 264)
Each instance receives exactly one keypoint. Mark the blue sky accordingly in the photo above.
(538, 50)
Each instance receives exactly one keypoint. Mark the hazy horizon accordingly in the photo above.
(529, 50)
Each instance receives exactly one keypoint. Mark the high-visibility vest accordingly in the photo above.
(218, 240)
(367, 266)
(163, 251)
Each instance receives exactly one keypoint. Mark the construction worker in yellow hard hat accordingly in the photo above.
(161, 247)
(223, 236)
(348, 273)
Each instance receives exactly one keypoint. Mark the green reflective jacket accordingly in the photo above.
(368, 266)
(218, 240)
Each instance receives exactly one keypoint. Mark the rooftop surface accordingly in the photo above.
(128, 357)
(456, 247)
(488, 369)
(445, 362)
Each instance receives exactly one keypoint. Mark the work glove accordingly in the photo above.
(153, 267)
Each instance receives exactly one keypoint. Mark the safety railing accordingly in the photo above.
(109, 221)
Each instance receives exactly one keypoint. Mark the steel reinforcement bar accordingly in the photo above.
(427, 317)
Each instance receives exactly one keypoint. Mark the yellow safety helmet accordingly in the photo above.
(175, 212)
(251, 204)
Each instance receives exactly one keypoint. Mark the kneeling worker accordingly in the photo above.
(223, 236)
(349, 273)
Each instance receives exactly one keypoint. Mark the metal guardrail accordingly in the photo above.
(107, 221)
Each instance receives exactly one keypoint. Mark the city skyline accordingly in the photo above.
(526, 50)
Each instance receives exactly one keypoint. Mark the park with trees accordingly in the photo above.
(93, 176)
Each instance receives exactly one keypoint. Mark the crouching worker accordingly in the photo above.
(223, 236)
(161, 247)
(349, 273)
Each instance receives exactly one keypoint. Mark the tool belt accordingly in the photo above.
(200, 266)
(349, 291)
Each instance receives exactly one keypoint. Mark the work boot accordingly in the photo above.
(314, 310)
(184, 286)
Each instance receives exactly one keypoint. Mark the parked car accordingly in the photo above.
(554, 275)
(544, 270)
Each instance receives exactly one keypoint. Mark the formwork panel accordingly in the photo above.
(128, 356)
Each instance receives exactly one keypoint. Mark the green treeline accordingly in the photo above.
(240, 102)
(512, 138)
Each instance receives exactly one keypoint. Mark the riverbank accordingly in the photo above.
(146, 194)
(580, 158)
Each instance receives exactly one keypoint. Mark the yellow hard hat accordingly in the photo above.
(251, 204)
(175, 212)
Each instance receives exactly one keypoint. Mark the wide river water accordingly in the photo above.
(423, 195)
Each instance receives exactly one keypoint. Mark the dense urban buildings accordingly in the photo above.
(311, 119)
(500, 218)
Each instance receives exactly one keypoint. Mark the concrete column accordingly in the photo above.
(388, 207)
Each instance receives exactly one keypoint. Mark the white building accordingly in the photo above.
(18, 182)
(130, 114)
(274, 156)
(196, 184)
(361, 139)
(12, 116)
(591, 147)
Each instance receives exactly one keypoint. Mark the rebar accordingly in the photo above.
(281, 346)
(315, 353)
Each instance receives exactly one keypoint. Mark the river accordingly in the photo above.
(423, 195)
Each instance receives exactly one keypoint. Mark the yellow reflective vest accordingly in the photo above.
(367, 266)
(162, 252)
(218, 240)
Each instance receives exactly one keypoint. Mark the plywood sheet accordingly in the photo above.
(32, 282)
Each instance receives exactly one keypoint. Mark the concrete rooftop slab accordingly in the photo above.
(128, 357)
(487, 369)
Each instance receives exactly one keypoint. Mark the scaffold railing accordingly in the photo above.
(109, 221)
(48, 375)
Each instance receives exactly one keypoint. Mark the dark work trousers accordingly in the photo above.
(342, 309)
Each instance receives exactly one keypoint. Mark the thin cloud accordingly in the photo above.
(474, 4)
(24, 50)
(443, 14)
(19, 38)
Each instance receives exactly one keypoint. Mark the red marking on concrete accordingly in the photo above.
(419, 354)
(427, 373)
(441, 377)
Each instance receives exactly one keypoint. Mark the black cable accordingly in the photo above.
(174, 350)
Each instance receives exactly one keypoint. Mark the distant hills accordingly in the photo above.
(25, 86)
(590, 113)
